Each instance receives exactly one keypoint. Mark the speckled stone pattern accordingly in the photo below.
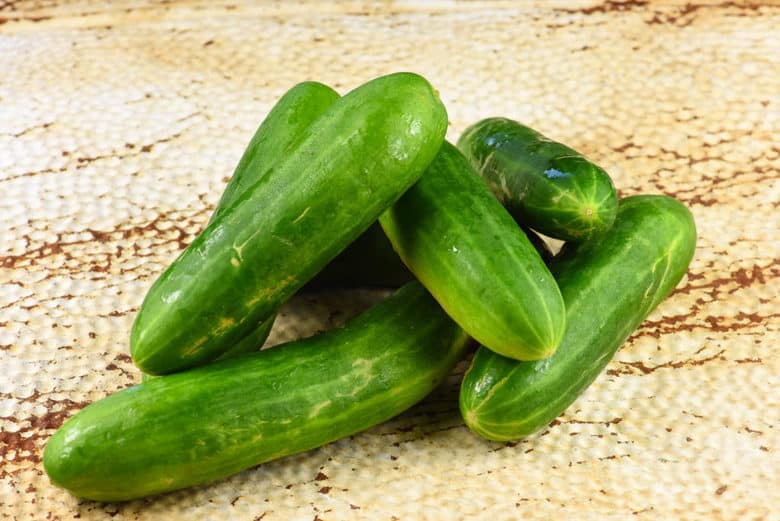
(120, 123)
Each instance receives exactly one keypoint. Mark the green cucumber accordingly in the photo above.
(213, 421)
(609, 285)
(353, 162)
(369, 261)
(546, 184)
(298, 108)
(469, 253)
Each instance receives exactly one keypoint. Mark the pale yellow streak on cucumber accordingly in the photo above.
(239, 249)
(303, 214)
(317, 408)
(265, 292)
(225, 323)
(193, 349)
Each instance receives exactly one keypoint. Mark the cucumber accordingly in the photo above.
(369, 261)
(468, 252)
(279, 131)
(609, 285)
(545, 184)
(201, 425)
(352, 163)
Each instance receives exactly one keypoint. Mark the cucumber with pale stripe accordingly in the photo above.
(545, 184)
(477, 263)
(298, 108)
(279, 132)
(609, 285)
(353, 162)
(370, 260)
(201, 425)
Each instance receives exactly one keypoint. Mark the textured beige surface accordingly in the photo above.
(120, 123)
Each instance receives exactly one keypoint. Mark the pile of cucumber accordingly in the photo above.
(457, 226)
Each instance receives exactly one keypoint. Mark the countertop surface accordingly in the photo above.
(121, 122)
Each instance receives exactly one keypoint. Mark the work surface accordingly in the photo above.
(120, 124)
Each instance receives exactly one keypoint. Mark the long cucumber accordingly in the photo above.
(200, 425)
(279, 131)
(609, 285)
(353, 162)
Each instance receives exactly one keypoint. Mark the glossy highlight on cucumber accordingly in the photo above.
(352, 163)
(201, 425)
(609, 285)
(478, 264)
(545, 184)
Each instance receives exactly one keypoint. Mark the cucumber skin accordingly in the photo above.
(545, 184)
(278, 134)
(609, 286)
(349, 166)
(213, 421)
(465, 248)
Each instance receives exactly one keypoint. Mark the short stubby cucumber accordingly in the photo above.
(477, 263)
(547, 185)
(350, 165)
(213, 421)
(609, 285)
